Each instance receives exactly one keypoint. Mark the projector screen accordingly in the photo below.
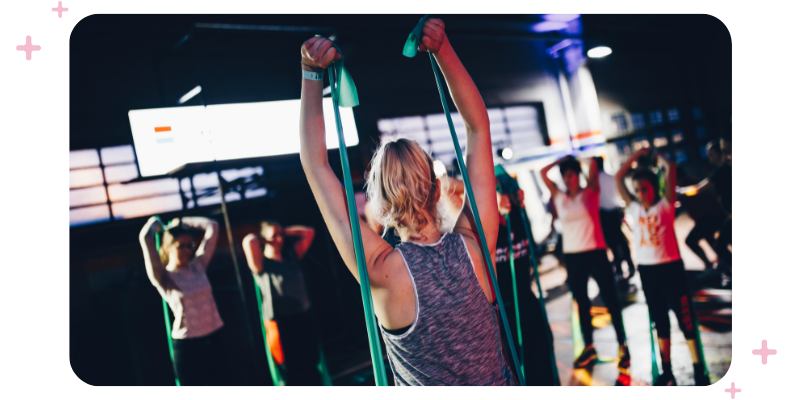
(166, 138)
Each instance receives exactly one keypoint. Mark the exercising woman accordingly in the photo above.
(432, 294)
(289, 322)
(660, 265)
(585, 252)
(178, 271)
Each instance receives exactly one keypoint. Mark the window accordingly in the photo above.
(637, 120)
(623, 148)
(519, 127)
(660, 139)
(98, 192)
(680, 156)
(701, 133)
(677, 135)
(673, 115)
(656, 118)
(639, 142)
(697, 112)
(621, 123)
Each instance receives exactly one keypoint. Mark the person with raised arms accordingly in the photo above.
(660, 265)
(432, 295)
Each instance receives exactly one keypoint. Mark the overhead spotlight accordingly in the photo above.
(548, 26)
(438, 168)
(507, 153)
(561, 17)
(190, 94)
(599, 52)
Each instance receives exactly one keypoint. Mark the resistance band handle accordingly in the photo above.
(334, 75)
(516, 299)
(535, 264)
(476, 217)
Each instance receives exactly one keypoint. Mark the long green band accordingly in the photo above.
(653, 361)
(516, 298)
(415, 37)
(535, 265)
(343, 92)
(166, 314)
(275, 374)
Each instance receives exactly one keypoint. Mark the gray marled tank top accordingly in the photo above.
(455, 338)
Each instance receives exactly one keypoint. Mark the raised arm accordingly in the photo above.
(205, 251)
(669, 177)
(547, 182)
(152, 261)
(252, 251)
(593, 180)
(305, 235)
(623, 171)
(317, 54)
(479, 160)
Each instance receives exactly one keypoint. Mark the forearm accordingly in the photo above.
(313, 150)
(209, 226)
(298, 230)
(463, 91)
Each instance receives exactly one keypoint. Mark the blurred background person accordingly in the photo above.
(660, 266)
(585, 252)
(178, 272)
(286, 307)
(704, 208)
(611, 218)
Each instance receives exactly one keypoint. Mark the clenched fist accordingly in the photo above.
(433, 36)
(318, 53)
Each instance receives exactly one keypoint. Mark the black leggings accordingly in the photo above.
(300, 343)
(611, 223)
(704, 228)
(595, 263)
(199, 361)
(665, 287)
(721, 247)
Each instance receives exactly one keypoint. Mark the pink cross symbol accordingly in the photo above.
(733, 390)
(60, 9)
(28, 48)
(764, 352)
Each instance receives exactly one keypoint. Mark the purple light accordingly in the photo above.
(561, 17)
(547, 26)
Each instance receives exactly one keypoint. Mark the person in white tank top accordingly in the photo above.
(660, 266)
(585, 253)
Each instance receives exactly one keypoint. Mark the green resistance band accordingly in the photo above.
(516, 299)
(654, 362)
(343, 92)
(277, 378)
(409, 50)
(166, 313)
(509, 185)
(700, 352)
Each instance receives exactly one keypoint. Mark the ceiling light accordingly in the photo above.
(507, 153)
(190, 94)
(599, 52)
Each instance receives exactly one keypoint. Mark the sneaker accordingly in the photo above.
(700, 377)
(666, 379)
(588, 357)
(624, 357)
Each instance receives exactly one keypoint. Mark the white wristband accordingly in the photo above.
(311, 75)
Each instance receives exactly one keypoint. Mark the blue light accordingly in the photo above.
(548, 26)
(561, 17)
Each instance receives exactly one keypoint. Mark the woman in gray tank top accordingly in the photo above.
(432, 294)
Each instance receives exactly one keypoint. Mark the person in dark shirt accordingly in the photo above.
(537, 339)
(706, 212)
(286, 307)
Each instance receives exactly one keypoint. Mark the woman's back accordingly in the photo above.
(455, 338)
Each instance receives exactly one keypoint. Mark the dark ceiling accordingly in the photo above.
(123, 62)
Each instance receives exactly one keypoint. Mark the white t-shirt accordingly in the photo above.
(580, 221)
(654, 233)
(609, 196)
